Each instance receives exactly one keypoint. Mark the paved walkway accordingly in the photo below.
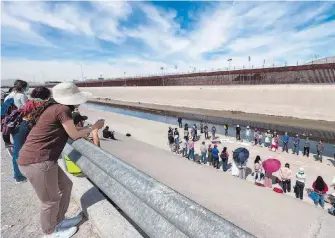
(20, 207)
(258, 210)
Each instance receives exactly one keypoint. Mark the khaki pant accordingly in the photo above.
(53, 188)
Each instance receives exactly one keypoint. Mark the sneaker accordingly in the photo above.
(19, 181)
(71, 222)
(63, 233)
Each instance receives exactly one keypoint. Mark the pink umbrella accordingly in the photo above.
(271, 165)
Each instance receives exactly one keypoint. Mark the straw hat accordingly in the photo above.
(69, 94)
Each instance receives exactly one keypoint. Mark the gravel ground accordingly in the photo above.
(20, 207)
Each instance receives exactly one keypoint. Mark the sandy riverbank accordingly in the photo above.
(299, 101)
(266, 211)
(155, 133)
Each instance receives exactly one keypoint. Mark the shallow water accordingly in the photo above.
(329, 148)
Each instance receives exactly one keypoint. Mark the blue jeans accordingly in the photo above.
(191, 154)
(224, 165)
(295, 149)
(203, 157)
(19, 138)
(319, 198)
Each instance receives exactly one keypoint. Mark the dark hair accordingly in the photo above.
(37, 112)
(287, 165)
(224, 149)
(257, 160)
(10, 89)
(20, 85)
(41, 92)
(319, 183)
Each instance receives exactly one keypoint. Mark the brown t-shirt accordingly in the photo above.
(47, 138)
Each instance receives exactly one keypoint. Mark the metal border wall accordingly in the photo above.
(157, 209)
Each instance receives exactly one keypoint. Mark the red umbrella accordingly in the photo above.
(271, 165)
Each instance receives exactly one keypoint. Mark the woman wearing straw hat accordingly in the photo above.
(52, 125)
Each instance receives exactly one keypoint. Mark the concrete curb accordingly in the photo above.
(102, 214)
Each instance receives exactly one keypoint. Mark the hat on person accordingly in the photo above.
(301, 169)
(238, 126)
(248, 127)
(78, 118)
(69, 94)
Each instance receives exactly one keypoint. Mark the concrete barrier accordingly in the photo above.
(157, 209)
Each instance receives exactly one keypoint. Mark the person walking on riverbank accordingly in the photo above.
(206, 132)
(248, 134)
(306, 147)
(319, 150)
(213, 132)
(215, 153)
(300, 183)
(296, 142)
(238, 133)
(285, 176)
(225, 126)
(320, 188)
(203, 150)
(286, 139)
(180, 122)
(186, 127)
(38, 157)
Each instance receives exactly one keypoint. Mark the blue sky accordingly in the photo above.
(55, 40)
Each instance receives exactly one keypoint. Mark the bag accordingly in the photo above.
(11, 122)
(224, 157)
(8, 107)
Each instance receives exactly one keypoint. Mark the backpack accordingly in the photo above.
(11, 122)
(7, 107)
(224, 156)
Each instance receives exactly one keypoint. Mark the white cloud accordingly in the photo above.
(276, 32)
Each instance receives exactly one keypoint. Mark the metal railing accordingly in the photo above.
(157, 209)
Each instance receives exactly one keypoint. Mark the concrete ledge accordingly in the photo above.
(101, 213)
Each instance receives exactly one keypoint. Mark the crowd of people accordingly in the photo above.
(40, 126)
(210, 154)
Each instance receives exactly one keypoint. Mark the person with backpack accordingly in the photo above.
(224, 157)
(15, 100)
(52, 124)
(38, 97)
